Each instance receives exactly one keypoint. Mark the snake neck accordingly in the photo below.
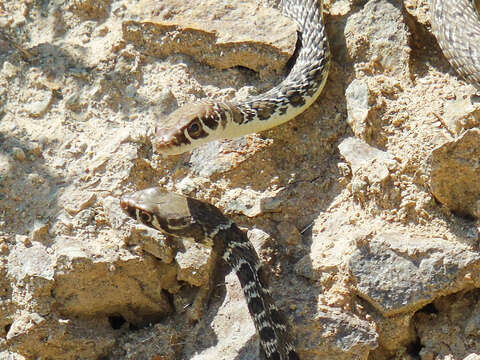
(456, 25)
(240, 255)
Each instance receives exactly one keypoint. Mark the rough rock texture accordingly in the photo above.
(455, 173)
(363, 208)
(262, 41)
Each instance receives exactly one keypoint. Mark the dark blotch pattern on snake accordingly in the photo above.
(181, 216)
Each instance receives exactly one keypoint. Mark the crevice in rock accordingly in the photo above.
(464, 216)
(429, 309)
(414, 348)
(116, 321)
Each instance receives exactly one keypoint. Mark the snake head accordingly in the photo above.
(174, 214)
(159, 209)
(188, 127)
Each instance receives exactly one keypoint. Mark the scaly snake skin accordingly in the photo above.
(456, 25)
(185, 217)
(197, 123)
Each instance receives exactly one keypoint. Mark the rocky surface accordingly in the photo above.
(455, 171)
(364, 208)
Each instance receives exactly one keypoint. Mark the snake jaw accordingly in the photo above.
(186, 128)
(165, 142)
(173, 144)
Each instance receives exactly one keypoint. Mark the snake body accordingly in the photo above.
(456, 25)
(197, 123)
(180, 216)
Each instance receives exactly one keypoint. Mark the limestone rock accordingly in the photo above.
(164, 335)
(34, 336)
(461, 115)
(454, 173)
(472, 357)
(90, 9)
(194, 265)
(357, 96)
(219, 156)
(38, 108)
(383, 38)
(130, 289)
(363, 158)
(350, 337)
(214, 32)
(397, 273)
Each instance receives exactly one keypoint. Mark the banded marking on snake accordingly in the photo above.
(197, 123)
(181, 216)
(456, 25)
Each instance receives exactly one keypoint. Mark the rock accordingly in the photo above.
(74, 102)
(168, 342)
(461, 115)
(89, 8)
(244, 202)
(30, 261)
(79, 279)
(373, 163)
(210, 31)
(152, 242)
(232, 327)
(383, 38)
(132, 289)
(221, 156)
(472, 357)
(32, 335)
(9, 70)
(10, 356)
(165, 102)
(358, 108)
(352, 335)
(454, 172)
(39, 231)
(289, 234)
(23, 324)
(39, 108)
(398, 273)
(330, 247)
(18, 154)
(78, 201)
(259, 238)
(187, 185)
(194, 264)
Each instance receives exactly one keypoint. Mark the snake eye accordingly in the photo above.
(194, 128)
(145, 217)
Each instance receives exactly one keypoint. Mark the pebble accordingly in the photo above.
(18, 154)
(38, 108)
(9, 70)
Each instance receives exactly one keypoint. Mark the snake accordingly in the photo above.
(180, 216)
(456, 25)
(197, 123)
